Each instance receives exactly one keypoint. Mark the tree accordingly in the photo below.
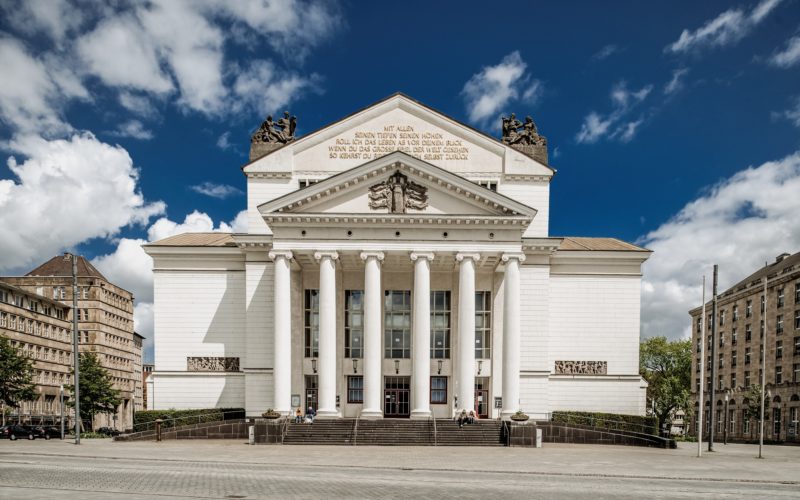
(97, 392)
(16, 375)
(667, 366)
(752, 403)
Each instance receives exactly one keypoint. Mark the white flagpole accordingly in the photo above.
(702, 374)
(763, 372)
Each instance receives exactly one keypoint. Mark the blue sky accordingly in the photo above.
(675, 125)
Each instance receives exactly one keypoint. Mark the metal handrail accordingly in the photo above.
(355, 429)
(435, 441)
(594, 421)
(186, 420)
(285, 429)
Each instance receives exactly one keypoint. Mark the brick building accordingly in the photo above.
(40, 327)
(741, 333)
(105, 324)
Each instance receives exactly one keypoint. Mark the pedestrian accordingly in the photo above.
(310, 414)
(462, 418)
(471, 418)
(298, 416)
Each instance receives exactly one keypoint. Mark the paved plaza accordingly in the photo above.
(230, 469)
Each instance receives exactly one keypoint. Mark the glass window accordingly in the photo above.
(735, 312)
(748, 312)
(355, 389)
(778, 374)
(483, 325)
(311, 323)
(778, 349)
(438, 390)
(440, 324)
(397, 324)
(779, 324)
(354, 324)
(781, 297)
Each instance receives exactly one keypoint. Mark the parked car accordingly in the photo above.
(16, 431)
(108, 431)
(47, 432)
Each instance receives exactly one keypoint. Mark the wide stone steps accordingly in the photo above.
(394, 432)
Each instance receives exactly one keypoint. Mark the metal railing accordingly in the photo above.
(435, 438)
(210, 416)
(602, 423)
(355, 429)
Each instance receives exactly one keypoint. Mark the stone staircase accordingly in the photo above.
(394, 432)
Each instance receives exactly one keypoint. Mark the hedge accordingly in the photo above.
(632, 423)
(145, 419)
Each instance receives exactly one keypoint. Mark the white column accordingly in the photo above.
(373, 319)
(511, 334)
(282, 317)
(466, 331)
(421, 340)
(327, 334)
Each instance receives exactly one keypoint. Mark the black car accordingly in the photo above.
(47, 432)
(14, 432)
(108, 431)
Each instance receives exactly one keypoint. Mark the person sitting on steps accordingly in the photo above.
(462, 418)
(472, 417)
(310, 414)
(298, 416)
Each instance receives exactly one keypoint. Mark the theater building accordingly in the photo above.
(397, 263)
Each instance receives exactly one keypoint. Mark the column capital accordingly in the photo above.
(372, 253)
(331, 254)
(519, 256)
(461, 256)
(277, 254)
(422, 255)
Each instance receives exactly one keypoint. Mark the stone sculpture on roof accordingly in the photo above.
(524, 137)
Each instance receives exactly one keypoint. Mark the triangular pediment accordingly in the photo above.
(399, 124)
(397, 186)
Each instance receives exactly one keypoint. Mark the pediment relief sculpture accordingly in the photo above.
(397, 194)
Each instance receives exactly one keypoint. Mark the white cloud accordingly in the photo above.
(676, 83)
(223, 141)
(133, 129)
(220, 191)
(67, 191)
(613, 126)
(139, 104)
(726, 29)
(143, 324)
(195, 222)
(494, 87)
(792, 114)
(606, 52)
(789, 56)
(739, 224)
(262, 87)
(54, 18)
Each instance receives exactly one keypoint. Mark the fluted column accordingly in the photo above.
(373, 319)
(282, 332)
(466, 330)
(511, 334)
(421, 340)
(327, 334)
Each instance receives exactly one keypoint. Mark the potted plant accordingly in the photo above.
(519, 417)
(270, 413)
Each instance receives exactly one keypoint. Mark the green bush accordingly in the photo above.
(145, 420)
(615, 421)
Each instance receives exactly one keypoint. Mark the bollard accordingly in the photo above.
(158, 429)
(538, 437)
(251, 434)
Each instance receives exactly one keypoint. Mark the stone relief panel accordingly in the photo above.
(581, 367)
(212, 364)
(397, 193)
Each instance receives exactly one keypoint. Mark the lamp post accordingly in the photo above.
(725, 419)
(61, 398)
(77, 356)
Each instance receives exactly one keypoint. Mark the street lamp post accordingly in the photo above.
(725, 420)
(76, 354)
(61, 398)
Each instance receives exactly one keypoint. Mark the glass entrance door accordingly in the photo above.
(311, 393)
(396, 397)
(482, 397)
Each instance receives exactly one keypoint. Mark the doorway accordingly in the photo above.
(396, 398)
(311, 393)
(482, 397)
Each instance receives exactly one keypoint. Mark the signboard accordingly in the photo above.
(295, 400)
(498, 402)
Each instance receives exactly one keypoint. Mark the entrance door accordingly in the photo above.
(311, 393)
(396, 397)
(482, 397)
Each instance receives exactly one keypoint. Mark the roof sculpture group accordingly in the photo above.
(279, 132)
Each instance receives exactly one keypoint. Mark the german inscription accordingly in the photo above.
(371, 144)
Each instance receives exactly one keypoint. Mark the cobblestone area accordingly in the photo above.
(233, 470)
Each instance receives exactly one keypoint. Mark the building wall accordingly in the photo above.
(261, 190)
(535, 194)
(605, 394)
(198, 390)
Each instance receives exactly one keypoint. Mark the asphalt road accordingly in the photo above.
(51, 471)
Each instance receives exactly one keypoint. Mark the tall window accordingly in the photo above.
(354, 324)
(440, 324)
(779, 324)
(397, 324)
(311, 323)
(747, 379)
(797, 293)
(778, 374)
(483, 325)
(722, 317)
(781, 297)
(735, 312)
(355, 389)
(778, 349)
(438, 390)
(796, 373)
(748, 333)
(748, 312)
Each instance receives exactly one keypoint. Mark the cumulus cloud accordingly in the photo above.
(789, 56)
(133, 129)
(740, 223)
(615, 124)
(263, 87)
(67, 191)
(676, 82)
(606, 52)
(143, 324)
(726, 29)
(53, 18)
(219, 191)
(494, 87)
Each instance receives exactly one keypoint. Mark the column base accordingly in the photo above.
(323, 414)
(506, 414)
(371, 414)
(420, 414)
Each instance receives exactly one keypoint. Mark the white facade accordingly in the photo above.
(463, 302)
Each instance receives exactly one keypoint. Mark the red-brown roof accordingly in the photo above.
(597, 244)
(61, 265)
